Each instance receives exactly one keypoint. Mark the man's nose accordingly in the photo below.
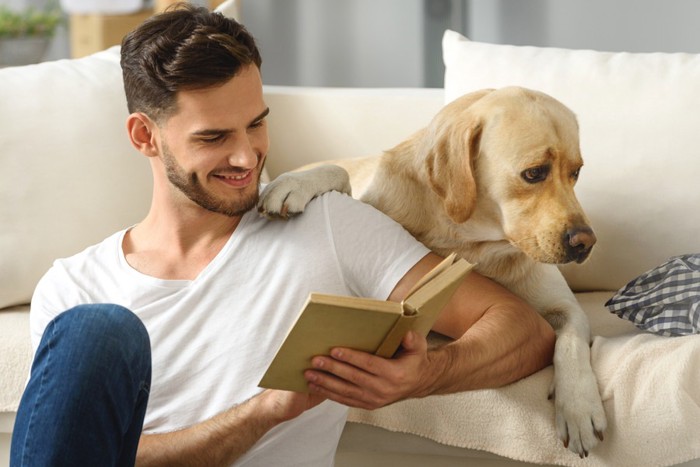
(243, 154)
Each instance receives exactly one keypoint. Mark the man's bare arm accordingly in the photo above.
(499, 339)
(225, 437)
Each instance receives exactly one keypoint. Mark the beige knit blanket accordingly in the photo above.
(650, 387)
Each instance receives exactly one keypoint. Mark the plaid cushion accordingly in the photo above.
(664, 300)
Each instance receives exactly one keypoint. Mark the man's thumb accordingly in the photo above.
(412, 342)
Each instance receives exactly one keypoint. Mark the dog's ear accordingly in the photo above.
(449, 164)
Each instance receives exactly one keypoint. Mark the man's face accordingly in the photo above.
(214, 146)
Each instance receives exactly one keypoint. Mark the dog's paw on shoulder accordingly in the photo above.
(290, 193)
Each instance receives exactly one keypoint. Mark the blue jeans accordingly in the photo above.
(86, 397)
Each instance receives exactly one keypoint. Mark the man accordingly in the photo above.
(158, 336)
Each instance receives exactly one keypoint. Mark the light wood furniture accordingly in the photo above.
(160, 5)
(90, 33)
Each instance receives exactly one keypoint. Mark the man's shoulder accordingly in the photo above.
(333, 199)
(95, 252)
(319, 207)
(65, 284)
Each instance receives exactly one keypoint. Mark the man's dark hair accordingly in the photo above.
(184, 48)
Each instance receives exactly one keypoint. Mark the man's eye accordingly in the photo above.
(575, 173)
(535, 174)
(257, 124)
(213, 139)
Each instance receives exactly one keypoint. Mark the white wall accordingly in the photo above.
(338, 42)
(397, 42)
(608, 25)
(380, 43)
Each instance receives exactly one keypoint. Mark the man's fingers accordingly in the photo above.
(357, 370)
(367, 362)
(331, 387)
(359, 379)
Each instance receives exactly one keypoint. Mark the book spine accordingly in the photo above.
(393, 339)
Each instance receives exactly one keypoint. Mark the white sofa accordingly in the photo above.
(68, 178)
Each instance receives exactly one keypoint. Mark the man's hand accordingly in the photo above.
(359, 379)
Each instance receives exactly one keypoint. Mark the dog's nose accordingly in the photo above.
(578, 242)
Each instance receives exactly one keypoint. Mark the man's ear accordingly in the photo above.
(142, 133)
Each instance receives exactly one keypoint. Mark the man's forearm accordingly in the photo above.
(505, 345)
(225, 437)
(217, 441)
(498, 337)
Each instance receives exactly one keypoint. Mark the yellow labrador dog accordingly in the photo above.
(492, 178)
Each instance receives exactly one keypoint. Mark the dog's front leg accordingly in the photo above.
(289, 193)
(580, 417)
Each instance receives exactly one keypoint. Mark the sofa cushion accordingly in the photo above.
(15, 357)
(639, 124)
(68, 174)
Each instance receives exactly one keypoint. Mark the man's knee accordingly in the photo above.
(104, 328)
(107, 319)
(89, 380)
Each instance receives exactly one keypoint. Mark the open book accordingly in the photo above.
(374, 326)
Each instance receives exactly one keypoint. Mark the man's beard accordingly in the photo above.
(191, 187)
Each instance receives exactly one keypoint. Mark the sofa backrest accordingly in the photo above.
(69, 177)
(316, 124)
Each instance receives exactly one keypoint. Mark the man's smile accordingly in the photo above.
(237, 179)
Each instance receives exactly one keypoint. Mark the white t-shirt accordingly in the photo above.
(213, 337)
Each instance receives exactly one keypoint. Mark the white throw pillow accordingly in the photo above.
(639, 118)
(68, 174)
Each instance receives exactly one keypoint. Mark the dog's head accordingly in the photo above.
(513, 156)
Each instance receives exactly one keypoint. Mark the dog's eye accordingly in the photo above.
(535, 174)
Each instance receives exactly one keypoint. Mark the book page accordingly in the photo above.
(429, 300)
(444, 264)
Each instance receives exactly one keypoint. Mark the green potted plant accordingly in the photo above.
(25, 35)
